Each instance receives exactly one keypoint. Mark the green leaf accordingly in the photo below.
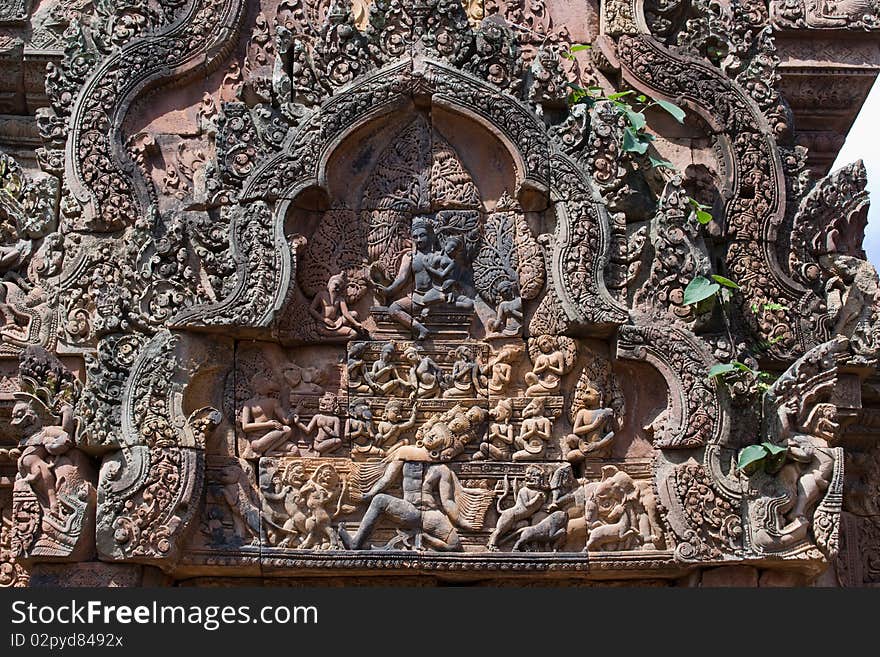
(658, 163)
(751, 456)
(773, 450)
(636, 119)
(632, 142)
(642, 98)
(580, 47)
(699, 289)
(742, 367)
(580, 95)
(726, 282)
(676, 112)
(620, 94)
(703, 217)
(721, 368)
(774, 306)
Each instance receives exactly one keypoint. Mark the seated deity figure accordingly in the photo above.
(360, 431)
(265, 424)
(496, 443)
(509, 314)
(547, 369)
(392, 425)
(590, 435)
(331, 312)
(384, 378)
(535, 432)
(500, 368)
(467, 378)
(446, 272)
(425, 375)
(356, 369)
(326, 423)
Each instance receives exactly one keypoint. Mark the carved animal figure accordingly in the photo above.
(550, 532)
(529, 500)
(613, 507)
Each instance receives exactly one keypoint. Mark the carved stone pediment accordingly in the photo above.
(409, 285)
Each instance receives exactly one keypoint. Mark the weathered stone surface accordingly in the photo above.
(92, 574)
(730, 577)
(292, 290)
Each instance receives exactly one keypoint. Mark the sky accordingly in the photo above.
(863, 142)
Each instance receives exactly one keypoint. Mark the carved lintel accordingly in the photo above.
(316, 359)
(817, 15)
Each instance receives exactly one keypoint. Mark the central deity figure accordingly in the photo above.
(431, 272)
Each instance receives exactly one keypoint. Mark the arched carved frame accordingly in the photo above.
(266, 266)
(583, 227)
(98, 169)
(754, 190)
(754, 195)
